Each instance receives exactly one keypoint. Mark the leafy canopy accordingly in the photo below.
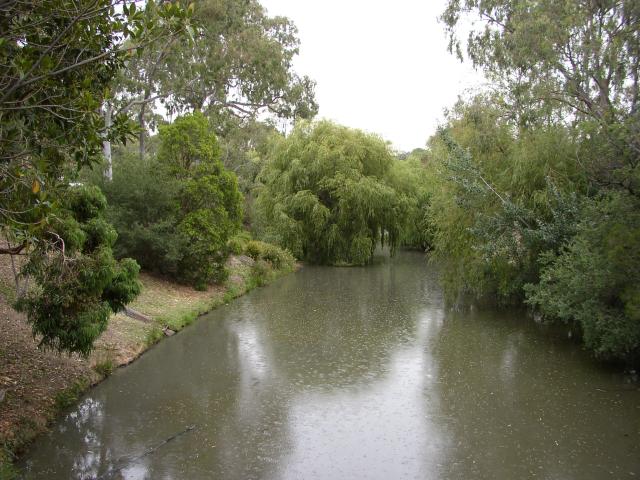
(78, 282)
(236, 65)
(176, 211)
(536, 186)
(325, 197)
(565, 62)
(593, 285)
(499, 199)
(57, 63)
(409, 177)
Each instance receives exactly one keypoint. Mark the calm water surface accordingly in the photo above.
(352, 373)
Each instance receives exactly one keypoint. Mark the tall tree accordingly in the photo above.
(139, 86)
(575, 60)
(57, 62)
(176, 210)
(581, 54)
(325, 195)
(545, 208)
(239, 64)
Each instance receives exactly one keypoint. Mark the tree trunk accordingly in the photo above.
(143, 132)
(106, 144)
(142, 123)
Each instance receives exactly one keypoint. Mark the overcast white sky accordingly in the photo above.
(379, 66)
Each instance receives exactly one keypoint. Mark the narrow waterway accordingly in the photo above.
(349, 373)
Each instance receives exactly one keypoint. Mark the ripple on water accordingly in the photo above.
(352, 373)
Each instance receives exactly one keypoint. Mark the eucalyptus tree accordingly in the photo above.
(537, 188)
(241, 61)
(137, 86)
(575, 60)
(236, 62)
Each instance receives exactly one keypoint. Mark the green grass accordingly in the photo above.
(233, 291)
(154, 335)
(180, 318)
(68, 397)
(7, 470)
(105, 368)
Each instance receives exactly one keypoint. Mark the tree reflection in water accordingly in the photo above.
(351, 373)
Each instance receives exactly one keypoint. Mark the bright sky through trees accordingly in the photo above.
(380, 66)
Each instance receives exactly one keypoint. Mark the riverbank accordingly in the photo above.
(36, 386)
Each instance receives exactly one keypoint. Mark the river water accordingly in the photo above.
(352, 373)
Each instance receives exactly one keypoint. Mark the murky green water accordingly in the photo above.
(352, 373)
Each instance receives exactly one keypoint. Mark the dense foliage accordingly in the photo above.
(535, 186)
(236, 63)
(57, 64)
(325, 195)
(499, 199)
(594, 282)
(409, 177)
(177, 210)
(78, 282)
(528, 193)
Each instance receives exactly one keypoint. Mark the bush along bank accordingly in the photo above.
(37, 385)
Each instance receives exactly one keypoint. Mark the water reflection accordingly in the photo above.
(528, 405)
(371, 429)
(350, 373)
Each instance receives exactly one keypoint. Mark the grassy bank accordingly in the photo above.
(36, 386)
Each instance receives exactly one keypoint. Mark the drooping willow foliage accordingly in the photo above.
(409, 176)
(324, 195)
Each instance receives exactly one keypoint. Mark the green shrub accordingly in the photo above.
(499, 197)
(278, 257)
(254, 249)
(175, 213)
(261, 272)
(593, 285)
(105, 368)
(238, 242)
(79, 283)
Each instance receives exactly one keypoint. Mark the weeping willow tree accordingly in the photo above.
(324, 195)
